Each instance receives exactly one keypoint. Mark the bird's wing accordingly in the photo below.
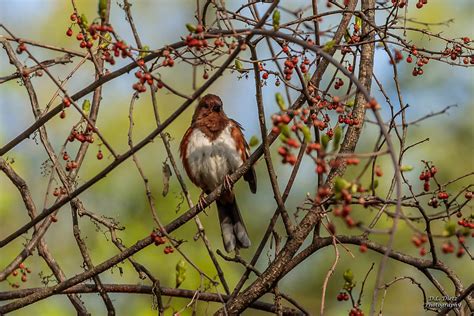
(244, 150)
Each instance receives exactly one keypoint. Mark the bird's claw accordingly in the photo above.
(227, 183)
(201, 204)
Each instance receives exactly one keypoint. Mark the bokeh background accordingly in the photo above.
(121, 194)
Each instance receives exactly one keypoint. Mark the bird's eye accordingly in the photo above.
(206, 106)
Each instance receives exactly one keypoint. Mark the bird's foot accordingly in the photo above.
(201, 204)
(228, 183)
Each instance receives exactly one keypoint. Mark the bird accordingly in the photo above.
(212, 148)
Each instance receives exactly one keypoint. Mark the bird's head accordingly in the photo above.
(209, 108)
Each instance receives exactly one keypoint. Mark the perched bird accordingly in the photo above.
(212, 149)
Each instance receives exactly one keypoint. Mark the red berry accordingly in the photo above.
(100, 155)
(69, 32)
(363, 248)
(378, 171)
(265, 75)
(426, 186)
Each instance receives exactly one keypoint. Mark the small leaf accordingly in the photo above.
(191, 27)
(285, 130)
(375, 184)
(358, 22)
(276, 20)
(348, 276)
(180, 272)
(144, 51)
(107, 40)
(449, 229)
(325, 141)
(341, 184)
(329, 45)
(306, 133)
(84, 22)
(307, 77)
(337, 137)
(239, 66)
(280, 101)
(406, 168)
(102, 10)
(254, 141)
(347, 36)
(350, 103)
(86, 106)
(166, 178)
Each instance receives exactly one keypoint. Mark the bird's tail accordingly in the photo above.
(234, 233)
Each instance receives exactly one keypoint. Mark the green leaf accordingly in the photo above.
(280, 101)
(348, 276)
(239, 66)
(276, 20)
(84, 22)
(325, 141)
(341, 184)
(307, 77)
(347, 36)
(337, 137)
(254, 141)
(102, 10)
(86, 106)
(359, 22)
(375, 184)
(350, 103)
(406, 168)
(180, 272)
(306, 133)
(329, 45)
(145, 51)
(191, 27)
(285, 130)
(449, 229)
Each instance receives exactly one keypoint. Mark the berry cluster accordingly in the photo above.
(338, 84)
(342, 296)
(420, 3)
(418, 240)
(346, 293)
(345, 210)
(21, 270)
(348, 119)
(448, 247)
(83, 136)
(59, 191)
(400, 3)
(160, 240)
(157, 239)
(88, 33)
(21, 47)
(426, 175)
(168, 250)
(355, 311)
(467, 222)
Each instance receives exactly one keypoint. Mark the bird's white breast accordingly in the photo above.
(209, 161)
